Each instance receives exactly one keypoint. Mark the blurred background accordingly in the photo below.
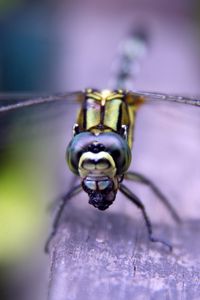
(53, 46)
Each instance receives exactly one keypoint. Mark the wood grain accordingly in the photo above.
(108, 256)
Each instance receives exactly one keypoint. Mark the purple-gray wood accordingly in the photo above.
(108, 256)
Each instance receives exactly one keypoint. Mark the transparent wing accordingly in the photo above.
(11, 102)
(153, 97)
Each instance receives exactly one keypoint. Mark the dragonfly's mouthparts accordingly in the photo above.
(100, 200)
(101, 191)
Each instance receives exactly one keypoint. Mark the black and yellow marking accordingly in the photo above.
(104, 111)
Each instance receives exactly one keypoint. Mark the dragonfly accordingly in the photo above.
(99, 152)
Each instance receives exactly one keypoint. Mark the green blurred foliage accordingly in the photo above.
(20, 212)
(24, 190)
(32, 159)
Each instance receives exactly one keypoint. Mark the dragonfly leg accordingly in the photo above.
(74, 191)
(137, 177)
(134, 199)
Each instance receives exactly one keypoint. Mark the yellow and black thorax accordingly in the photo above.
(108, 111)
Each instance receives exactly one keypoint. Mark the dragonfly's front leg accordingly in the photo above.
(74, 191)
(134, 199)
(137, 177)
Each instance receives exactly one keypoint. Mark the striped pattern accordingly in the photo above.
(103, 111)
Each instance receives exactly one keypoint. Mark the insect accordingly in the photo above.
(100, 149)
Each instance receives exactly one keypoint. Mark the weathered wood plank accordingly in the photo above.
(108, 256)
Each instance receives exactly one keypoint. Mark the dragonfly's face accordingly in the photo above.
(100, 160)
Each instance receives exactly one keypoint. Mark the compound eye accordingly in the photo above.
(119, 156)
(116, 154)
(77, 146)
(118, 148)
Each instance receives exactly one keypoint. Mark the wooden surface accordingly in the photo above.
(108, 256)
